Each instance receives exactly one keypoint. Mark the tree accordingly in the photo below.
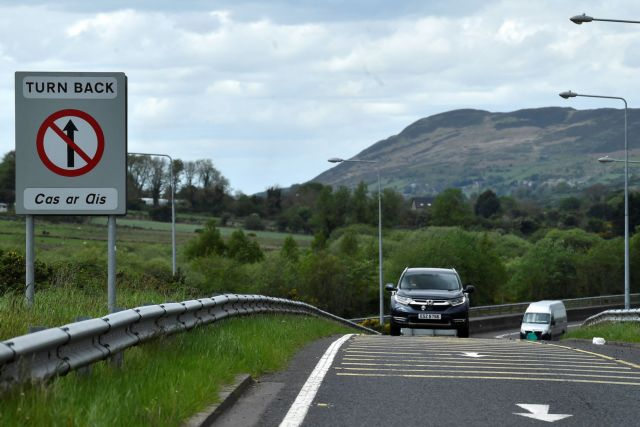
(274, 201)
(324, 218)
(209, 176)
(487, 204)
(569, 204)
(451, 208)
(392, 207)
(207, 243)
(177, 167)
(617, 218)
(189, 188)
(359, 211)
(139, 168)
(242, 249)
(157, 178)
(8, 177)
(472, 255)
(290, 249)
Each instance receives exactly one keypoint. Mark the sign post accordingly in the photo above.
(71, 151)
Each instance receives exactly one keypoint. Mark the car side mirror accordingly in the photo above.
(469, 289)
(390, 287)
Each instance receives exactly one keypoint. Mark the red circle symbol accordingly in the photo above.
(65, 140)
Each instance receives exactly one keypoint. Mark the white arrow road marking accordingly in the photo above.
(540, 412)
(473, 354)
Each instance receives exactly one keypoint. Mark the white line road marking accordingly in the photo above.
(300, 406)
(540, 412)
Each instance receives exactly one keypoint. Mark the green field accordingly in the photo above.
(56, 241)
(622, 332)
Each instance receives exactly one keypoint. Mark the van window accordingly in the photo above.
(536, 318)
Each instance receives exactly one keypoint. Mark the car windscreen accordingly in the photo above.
(431, 281)
(542, 318)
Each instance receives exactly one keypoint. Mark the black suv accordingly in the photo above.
(430, 298)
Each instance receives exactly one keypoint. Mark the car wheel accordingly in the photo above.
(464, 332)
(394, 329)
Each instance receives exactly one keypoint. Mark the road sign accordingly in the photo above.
(58, 147)
(71, 143)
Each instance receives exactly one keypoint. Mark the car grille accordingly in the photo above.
(430, 305)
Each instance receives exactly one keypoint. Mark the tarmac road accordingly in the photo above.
(382, 380)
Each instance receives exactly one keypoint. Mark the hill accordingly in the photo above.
(528, 151)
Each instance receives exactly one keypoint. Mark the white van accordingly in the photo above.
(544, 320)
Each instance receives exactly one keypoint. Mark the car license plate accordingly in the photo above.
(427, 316)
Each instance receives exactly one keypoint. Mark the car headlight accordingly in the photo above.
(402, 300)
(458, 301)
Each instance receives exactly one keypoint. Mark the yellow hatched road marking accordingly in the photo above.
(492, 372)
(482, 377)
(460, 343)
(513, 347)
(519, 348)
(480, 351)
(513, 359)
(600, 365)
(611, 369)
(599, 355)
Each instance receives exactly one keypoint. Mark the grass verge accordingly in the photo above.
(166, 381)
(623, 332)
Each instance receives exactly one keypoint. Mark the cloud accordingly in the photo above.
(292, 83)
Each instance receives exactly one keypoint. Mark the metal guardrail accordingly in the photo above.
(58, 351)
(521, 307)
(632, 315)
(604, 300)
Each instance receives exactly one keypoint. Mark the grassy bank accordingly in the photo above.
(623, 332)
(168, 380)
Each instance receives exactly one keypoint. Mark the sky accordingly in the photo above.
(271, 89)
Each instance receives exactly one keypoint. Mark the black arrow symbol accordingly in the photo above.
(70, 128)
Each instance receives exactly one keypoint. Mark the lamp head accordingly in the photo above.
(579, 19)
(568, 94)
(335, 160)
(606, 159)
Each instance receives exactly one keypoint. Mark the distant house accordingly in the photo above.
(4, 207)
(149, 201)
(419, 203)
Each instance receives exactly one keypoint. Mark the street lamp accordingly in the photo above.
(579, 19)
(173, 207)
(607, 159)
(569, 94)
(381, 290)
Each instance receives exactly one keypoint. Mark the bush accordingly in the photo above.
(13, 272)
(254, 222)
(161, 213)
(208, 242)
(242, 249)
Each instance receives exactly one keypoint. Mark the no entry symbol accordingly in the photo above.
(70, 142)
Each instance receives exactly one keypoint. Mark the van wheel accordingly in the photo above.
(394, 329)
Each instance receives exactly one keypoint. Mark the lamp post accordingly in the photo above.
(569, 94)
(381, 289)
(607, 159)
(173, 207)
(579, 19)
